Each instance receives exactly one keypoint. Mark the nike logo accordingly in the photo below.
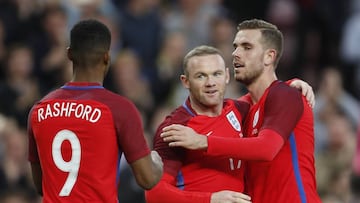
(209, 133)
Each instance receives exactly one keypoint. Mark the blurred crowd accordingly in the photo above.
(149, 41)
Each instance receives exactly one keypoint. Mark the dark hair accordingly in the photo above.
(271, 35)
(202, 50)
(89, 41)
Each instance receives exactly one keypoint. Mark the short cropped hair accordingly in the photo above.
(89, 41)
(271, 35)
(202, 50)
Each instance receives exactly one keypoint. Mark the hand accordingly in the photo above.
(226, 196)
(182, 136)
(306, 90)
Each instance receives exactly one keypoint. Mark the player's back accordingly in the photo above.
(77, 144)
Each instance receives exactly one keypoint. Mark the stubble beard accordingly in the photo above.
(248, 78)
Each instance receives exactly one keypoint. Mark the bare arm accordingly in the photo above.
(37, 176)
(148, 170)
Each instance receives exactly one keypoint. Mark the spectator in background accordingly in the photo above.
(192, 17)
(126, 79)
(18, 196)
(14, 170)
(84, 9)
(3, 50)
(169, 65)
(49, 46)
(355, 179)
(287, 22)
(350, 45)
(20, 89)
(21, 19)
(332, 98)
(141, 31)
(333, 162)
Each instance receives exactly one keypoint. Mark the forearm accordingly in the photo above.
(261, 148)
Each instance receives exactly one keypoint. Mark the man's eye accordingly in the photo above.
(217, 73)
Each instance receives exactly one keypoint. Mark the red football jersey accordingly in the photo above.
(290, 176)
(194, 170)
(78, 134)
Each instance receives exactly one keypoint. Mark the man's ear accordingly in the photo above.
(227, 75)
(270, 56)
(69, 53)
(184, 81)
(107, 58)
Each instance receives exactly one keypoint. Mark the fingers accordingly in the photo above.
(244, 196)
(172, 127)
(229, 197)
(310, 96)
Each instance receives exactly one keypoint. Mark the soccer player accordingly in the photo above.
(78, 132)
(193, 176)
(279, 126)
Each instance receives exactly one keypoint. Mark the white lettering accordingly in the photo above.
(86, 112)
(69, 109)
(78, 111)
(48, 111)
(63, 108)
(56, 111)
(40, 114)
(97, 113)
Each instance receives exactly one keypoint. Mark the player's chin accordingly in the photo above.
(213, 101)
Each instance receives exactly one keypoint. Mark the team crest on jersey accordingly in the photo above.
(233, 121)
(256, 118)
(255, 122)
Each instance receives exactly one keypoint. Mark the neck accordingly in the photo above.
(258, 87)
(206, 110)
(88, 75)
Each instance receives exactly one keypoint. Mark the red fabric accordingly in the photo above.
(281, 127)
(99, 125)
(290, 176)
(196, 171)
(165, 192)
(261, 148)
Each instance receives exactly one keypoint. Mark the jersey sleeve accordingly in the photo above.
(283, 109)
(130, 132)
(166, 192)
(261, 148)
(172, 157)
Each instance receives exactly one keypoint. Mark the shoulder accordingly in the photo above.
(282, 92)
(179, 116)
(241, 105)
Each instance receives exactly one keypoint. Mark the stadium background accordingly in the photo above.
(149, 40)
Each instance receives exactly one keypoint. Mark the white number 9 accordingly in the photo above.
(72, 166)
